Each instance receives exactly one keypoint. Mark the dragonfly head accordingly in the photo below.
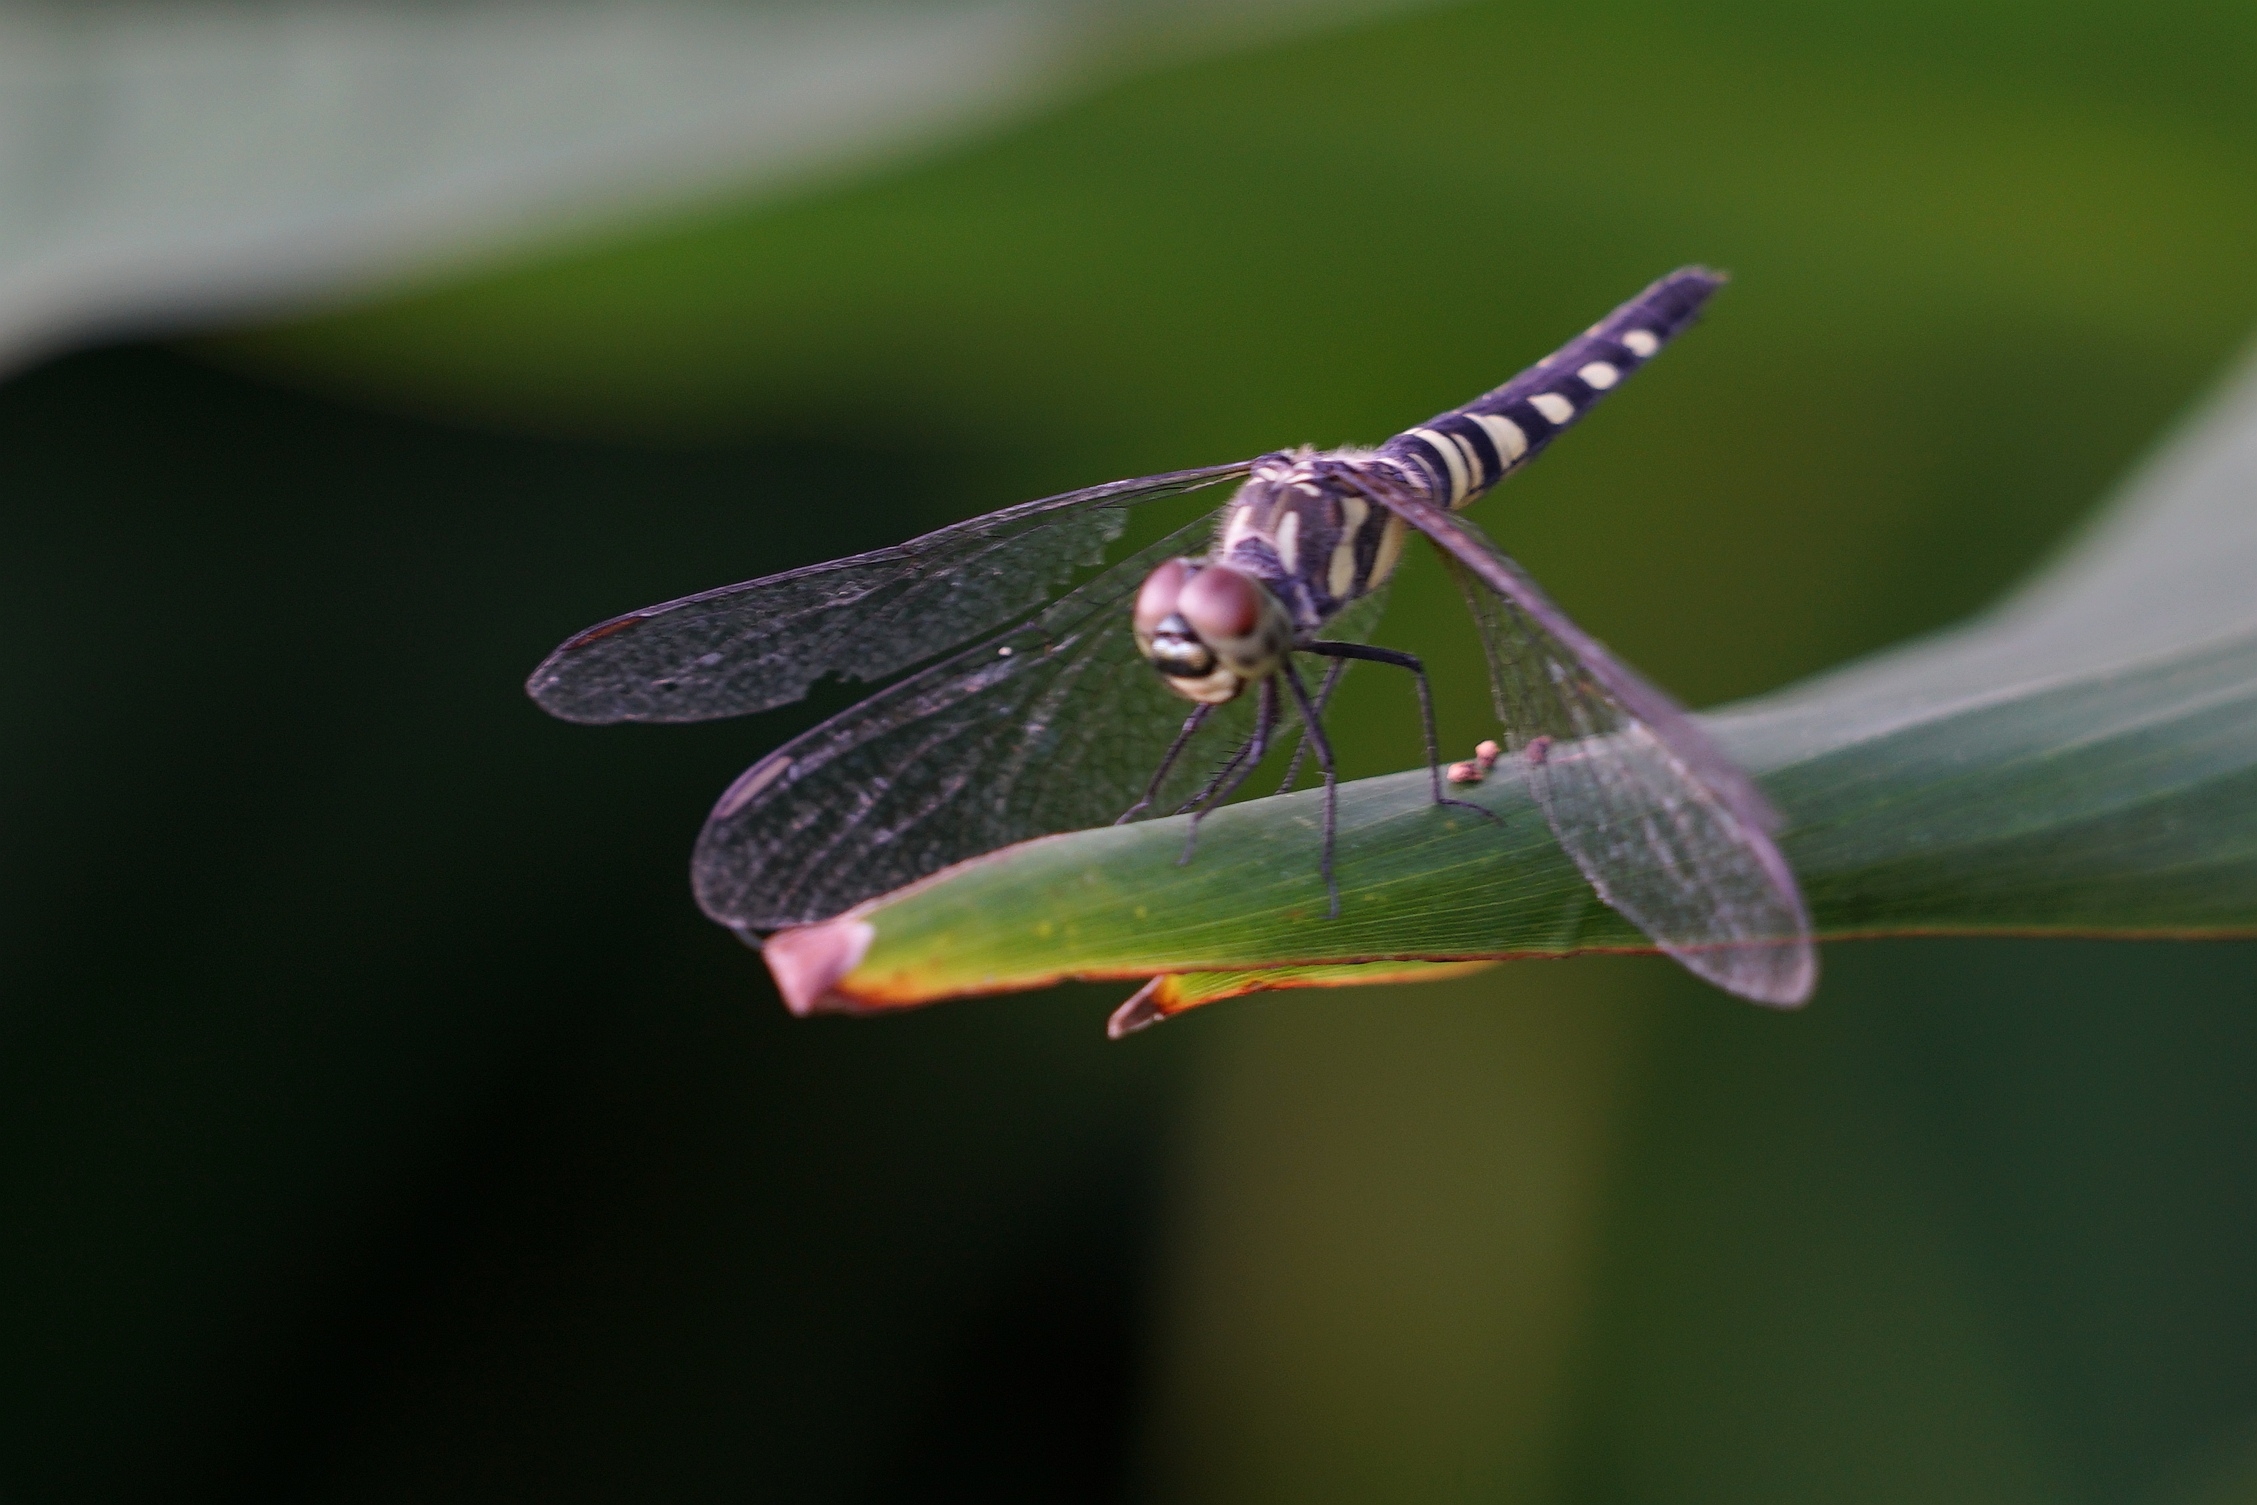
(1209, 629)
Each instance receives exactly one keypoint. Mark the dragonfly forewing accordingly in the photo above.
(762, 643)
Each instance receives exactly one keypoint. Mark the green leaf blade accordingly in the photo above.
(2125, 805)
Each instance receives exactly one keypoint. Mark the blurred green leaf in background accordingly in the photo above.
(168, 166)
(384, 1123)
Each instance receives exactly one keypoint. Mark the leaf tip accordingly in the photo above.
(808, 961)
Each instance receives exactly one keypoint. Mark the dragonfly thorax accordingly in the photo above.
(1305, 525)
(1209, 629)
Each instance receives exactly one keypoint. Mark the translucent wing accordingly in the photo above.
(757, 645)
(1666, 828)
(1053, 725)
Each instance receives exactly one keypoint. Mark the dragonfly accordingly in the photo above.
(1026, 704)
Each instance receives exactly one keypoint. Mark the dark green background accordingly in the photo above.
(383, 1121)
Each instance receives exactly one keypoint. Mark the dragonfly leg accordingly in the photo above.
(1191, 724)
(1313, 731)
(1234, 772)
(1411, 662)
(1332, 673)
(1230, 765)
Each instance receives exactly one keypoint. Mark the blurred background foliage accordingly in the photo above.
(383, 1121)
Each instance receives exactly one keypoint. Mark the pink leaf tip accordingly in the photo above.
(808, 961)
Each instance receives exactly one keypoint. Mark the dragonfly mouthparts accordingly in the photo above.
(1176, 650)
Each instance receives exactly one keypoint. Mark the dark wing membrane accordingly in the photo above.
(1054, 725)
(1666, 828)
(757, 645)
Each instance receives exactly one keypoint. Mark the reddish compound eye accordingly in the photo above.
(1221, 605)
(1156, 601)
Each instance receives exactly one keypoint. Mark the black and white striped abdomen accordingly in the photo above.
(1320, 542)
(1467, 450)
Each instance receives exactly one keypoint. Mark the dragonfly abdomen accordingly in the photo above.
(1320, 543)
(1469, 449)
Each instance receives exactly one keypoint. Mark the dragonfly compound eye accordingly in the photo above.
(1233, 615)
(1156, 601)
(1170, 645)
